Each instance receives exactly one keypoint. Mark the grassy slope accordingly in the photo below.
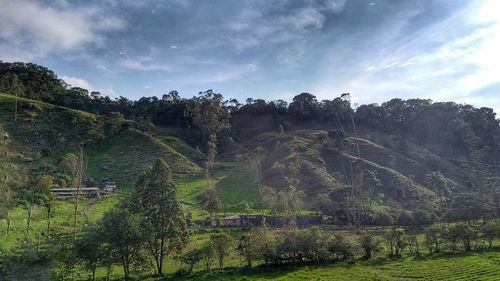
(125, 156)
(236, 182)
(62, 219)
(470, 266)
(324, 168)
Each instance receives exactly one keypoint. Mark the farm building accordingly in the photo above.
(230, 221)
(253, 221)
(109, 185)
(65, 193)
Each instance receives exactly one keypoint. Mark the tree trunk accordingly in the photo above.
(9, 223)
(28, 225)
(76, 210)
(78, 178)
(38, 243)
(49, 213)
(160, 266)
(15, 109)
(125, 268)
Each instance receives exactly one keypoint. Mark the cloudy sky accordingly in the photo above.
(374, 49)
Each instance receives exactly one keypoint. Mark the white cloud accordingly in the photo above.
(31, 29)
(144, 64)
(254, 27)
(447, 61)
(77, 82)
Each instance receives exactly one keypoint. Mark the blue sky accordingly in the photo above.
(376, 50)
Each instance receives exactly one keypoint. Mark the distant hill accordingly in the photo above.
(401, 155)
(43, 133)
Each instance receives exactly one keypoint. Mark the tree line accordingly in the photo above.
(462, 129)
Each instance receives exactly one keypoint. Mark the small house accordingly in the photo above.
(66, 193)
(109, 185)
(230, 221)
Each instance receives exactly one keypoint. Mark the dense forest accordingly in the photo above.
(410, 163)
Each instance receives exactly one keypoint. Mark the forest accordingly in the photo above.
(332, 184)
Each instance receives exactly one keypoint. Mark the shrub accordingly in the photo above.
(369, 243)
(490, 232)
(339, 247)
(405, 218)
(433, 238)
(383, 219)
(421, 217)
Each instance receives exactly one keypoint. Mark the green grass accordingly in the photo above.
(124, 157)
(449, 266)
(236, 182)
(62, 218)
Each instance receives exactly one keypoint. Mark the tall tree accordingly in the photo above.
(208, 114)
(123, 232)
(161, 211)
(210, 201)
(75, 165)
(45, 183)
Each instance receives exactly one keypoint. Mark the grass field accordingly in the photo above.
(124, 157)
(448, 266)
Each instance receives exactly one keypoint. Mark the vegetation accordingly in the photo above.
(349, 193)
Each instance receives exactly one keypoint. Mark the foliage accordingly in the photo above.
(161, 213)
(222, 244)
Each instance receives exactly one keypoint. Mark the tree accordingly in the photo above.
(369, 243)
(433, 237)
(208, 253)
(395, 241)
(490, 232)
(210, 201)
(405, 218)
(464, 232)
(264, 245)
(75, 165)
(421, 217)
(245, 248)
(5, 203)
(211, 154)
(29, 198)
(45, 183)
(340, 248)
(303, 107)
(162, 215)
(90, 249)
(208, 114)
(113, 123)
(222, 244)
(124, 233)
(255, 157)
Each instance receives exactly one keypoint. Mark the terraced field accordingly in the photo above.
(449, 266)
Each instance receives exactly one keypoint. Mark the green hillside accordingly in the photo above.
(472, 266)
(124, 157)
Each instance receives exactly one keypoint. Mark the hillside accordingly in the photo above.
(393, 172)
(43, 133)
(124, 157)
(400, 169)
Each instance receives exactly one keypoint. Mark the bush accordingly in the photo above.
(340, 248)
(421, 217)
(433, 238)
(490, 232)
(369, 243)
(405, 218)
(464, 232)
(395, 240)
(383, 219)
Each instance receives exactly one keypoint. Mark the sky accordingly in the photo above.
(374, 49)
